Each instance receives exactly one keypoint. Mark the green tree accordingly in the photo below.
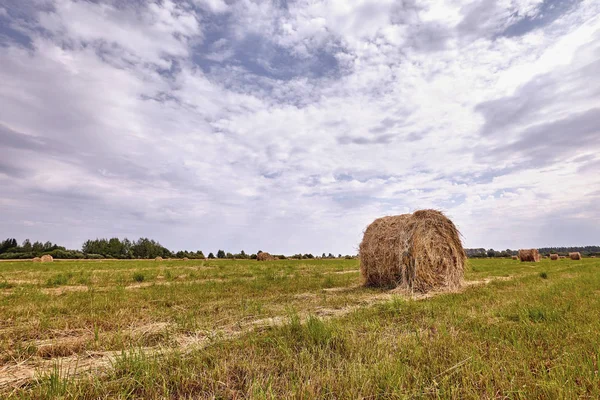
(37, 248)
(220, 254)
(26, 247)
(211, 255)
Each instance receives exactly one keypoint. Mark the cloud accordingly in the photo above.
(290, 126)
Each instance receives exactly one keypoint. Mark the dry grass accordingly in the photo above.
(264, 256)
(420, 251)
(529, 255)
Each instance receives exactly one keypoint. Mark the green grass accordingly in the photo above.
(533, 336)
(139, 277)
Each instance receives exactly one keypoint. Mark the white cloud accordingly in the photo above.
(223, 155)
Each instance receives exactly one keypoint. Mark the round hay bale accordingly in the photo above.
(575, 255)
(554, 257)
(36, 259)
(515, 257)
(420, 251)
(264, 256)
(562, 257)
(46, 258)
(159, 258)
(529, 255)
(185, 259)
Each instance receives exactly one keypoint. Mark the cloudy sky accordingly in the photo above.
(288, 126)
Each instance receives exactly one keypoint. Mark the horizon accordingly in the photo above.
(291, 126)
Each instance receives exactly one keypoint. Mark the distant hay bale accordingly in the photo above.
(562, 257)
(185, 259)
(420, 251)
(36, 259)
(554, 257)
(529, 255)
(575, 255)
(264, 256)
(515, 257)
(46, 258)
(159, 258)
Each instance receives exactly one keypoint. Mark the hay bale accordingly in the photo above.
(562, 257)
(554, 257)
(159, 258)
(185, 259)
(46, 258)
(36, 259)
(515, 257)
(529, 255)
(420, 251)
(264, 256)
(575, 255)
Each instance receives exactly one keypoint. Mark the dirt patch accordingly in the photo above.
(305, 296)
(64, 289)
(346, 272)
(342, 289)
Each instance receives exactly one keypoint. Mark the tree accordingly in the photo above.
(211, 255)
(491, 253)
(37, 247)
(220, 254)
(26, 246)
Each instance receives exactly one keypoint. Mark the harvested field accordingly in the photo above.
(185, 313)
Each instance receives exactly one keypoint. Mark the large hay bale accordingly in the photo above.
(264, 256)
(529, 255)
(36, 259)
(420, 251)
(46, 258)
(159, 258)
(554, 257)
(515, 257)
(575, 255)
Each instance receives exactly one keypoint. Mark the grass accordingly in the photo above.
(520, 338)
(139, 277)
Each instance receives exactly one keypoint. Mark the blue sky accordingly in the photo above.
(289, 126)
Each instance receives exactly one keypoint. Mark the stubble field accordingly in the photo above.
(295, 329)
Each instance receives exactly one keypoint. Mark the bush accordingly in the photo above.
(94, 256)
(139, 277)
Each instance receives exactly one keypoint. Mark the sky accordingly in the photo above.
(289, 126)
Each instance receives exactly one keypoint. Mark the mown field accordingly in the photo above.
(295, 329)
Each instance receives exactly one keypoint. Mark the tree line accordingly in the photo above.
(563, 251)
(122, 249)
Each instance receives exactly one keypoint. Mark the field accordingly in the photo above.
(295, 329)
